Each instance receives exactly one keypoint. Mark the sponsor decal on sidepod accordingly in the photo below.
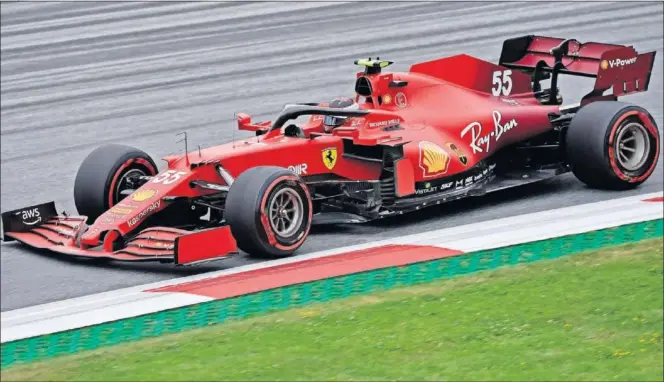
(384, 123)
(433, 159)
(478, 139)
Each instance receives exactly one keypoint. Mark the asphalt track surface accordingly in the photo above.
(76, 75)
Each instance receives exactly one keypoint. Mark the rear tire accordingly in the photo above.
(100, 177)
(612, 145)
(269, 211)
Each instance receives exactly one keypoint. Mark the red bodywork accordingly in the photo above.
(448, 115)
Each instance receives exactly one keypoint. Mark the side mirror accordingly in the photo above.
(243, 119)
(244, 123)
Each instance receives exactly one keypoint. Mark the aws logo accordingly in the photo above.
(30, 217)
(433, 159)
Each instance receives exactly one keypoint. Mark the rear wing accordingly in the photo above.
(617, 66)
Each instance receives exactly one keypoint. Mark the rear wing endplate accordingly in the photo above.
(617, 66)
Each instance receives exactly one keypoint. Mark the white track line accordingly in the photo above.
(134, 301)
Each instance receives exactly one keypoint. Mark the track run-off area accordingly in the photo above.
(77, 75)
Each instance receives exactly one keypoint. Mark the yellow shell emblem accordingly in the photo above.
(387, 99)
(330, 157)
(604, 64)
(143, 195)
(433, 159)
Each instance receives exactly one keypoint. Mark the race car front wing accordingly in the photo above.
(41, 227)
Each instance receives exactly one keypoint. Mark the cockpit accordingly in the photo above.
(372, 91)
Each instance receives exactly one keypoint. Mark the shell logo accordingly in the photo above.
(143, 195)
(604, 64)
(433, 159)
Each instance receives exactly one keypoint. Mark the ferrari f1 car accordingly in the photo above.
(449, 128)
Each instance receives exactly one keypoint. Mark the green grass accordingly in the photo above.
(591, 316)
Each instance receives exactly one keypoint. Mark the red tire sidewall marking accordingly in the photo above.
(126, 164)
(645, 120)
(266, 222)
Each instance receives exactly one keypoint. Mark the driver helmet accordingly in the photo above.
(332, 121)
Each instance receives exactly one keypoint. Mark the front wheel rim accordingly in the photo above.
(123, 183)
(632, 147)
(286, 212)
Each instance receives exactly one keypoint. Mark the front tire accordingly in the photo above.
(269, 211)
(102, 176)
(612, 145)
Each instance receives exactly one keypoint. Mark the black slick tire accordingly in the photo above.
(101, 173)
(595, 144)
(250, 211)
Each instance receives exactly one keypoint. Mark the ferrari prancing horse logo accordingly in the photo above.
(330, 157)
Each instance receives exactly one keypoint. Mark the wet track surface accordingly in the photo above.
(76, 75)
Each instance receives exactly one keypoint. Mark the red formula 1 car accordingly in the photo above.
(446, 129)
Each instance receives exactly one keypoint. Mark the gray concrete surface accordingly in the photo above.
(76, 75)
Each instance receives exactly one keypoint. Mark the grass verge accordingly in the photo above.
(591, 316)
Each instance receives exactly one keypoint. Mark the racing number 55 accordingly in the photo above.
(168, 177)
(502, 85)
